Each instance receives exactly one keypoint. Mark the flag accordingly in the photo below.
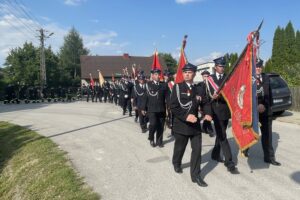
(133, 72)
(156, 65)
(239, 91)
(182, 61)
(112, 78)
(101, 79)
(92, 81)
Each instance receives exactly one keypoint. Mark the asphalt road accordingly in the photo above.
(115, 158)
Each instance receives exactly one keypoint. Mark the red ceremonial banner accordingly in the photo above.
(156, 65)
(240, 95)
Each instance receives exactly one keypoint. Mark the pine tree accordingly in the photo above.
(277, 50)
(289, 45)
(297, 43)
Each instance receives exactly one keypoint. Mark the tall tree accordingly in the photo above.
(52, 70)
(230, 61)
(69, 56)
(297, 43)
(170, 61)
(278, 49)
(289, 45)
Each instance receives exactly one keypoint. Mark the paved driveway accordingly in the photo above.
(114, 157)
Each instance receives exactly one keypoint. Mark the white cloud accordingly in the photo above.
(74, 2)
(103, 42)
(14, 34)
(209, 58)
(187, 1)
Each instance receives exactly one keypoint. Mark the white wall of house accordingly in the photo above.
(208, 66)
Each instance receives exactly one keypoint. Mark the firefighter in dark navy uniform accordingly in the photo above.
(155, 104)
(221, 116)
(138, 94)
(184, 104)
(207, 126)
(264, 100)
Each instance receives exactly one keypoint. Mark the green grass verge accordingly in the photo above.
(33, 167)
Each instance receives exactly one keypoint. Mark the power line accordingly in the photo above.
(22, 5)
(17, 13)
(18, 29)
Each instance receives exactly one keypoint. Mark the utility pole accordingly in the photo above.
(43, 77)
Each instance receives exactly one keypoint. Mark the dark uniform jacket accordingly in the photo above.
(138, 95)
(155, 98)
(181, 95)
(219, 106)
(267, 97)
(126, 89)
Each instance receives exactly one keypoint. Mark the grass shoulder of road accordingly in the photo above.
(33, 167)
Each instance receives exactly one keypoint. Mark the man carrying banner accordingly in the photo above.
(264, 98)
(221, 116)
(185, 105)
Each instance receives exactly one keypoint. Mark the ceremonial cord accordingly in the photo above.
(186, 106)
(139, 94)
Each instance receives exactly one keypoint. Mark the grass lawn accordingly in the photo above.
(33, 167)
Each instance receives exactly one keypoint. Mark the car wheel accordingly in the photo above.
(278, 113)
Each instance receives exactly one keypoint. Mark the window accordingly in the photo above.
(277, 82)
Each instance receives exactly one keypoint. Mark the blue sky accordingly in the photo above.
(137, 27)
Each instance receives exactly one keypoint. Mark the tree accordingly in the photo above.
(52, 69)
(230, 61)
(297, 43)
(69, 57)
(289, 45)
(22, 65)
(170, 61)
(277, 50)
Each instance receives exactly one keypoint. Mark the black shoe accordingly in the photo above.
(233, 170)
(177, 169)
(211, 134)
(200, 182)
(130, 115)
(160, 145)
(136, 120)
(218, 159)
(144, 130)
(272, 162)
(152, 143)
(123, 113)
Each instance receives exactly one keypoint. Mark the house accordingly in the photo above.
(114, 65)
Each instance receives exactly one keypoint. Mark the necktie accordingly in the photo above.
(220, 76)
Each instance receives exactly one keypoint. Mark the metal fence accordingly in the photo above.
(296, 98)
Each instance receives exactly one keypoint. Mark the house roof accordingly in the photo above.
(109, 65)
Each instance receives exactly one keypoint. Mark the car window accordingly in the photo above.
(277, 82)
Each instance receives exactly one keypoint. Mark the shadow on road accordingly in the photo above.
(17, 107)
(296, 177)
(86, 127)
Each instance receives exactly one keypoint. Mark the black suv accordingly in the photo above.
(282, 98)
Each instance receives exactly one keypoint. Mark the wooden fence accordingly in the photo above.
(296, 99)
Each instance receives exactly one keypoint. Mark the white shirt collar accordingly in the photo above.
(217, 74)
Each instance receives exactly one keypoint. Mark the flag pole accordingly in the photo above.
(254, 35)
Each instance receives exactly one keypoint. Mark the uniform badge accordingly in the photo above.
(188, 93)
